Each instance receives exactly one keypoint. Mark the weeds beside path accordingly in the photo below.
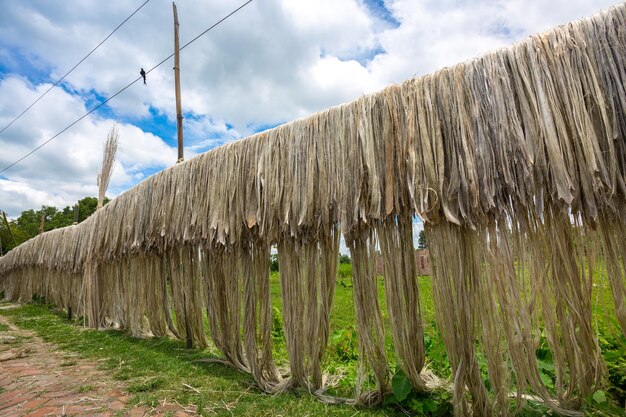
(144, 372)
(36, 379)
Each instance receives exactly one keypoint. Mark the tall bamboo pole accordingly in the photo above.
(179, 112)
(6, 223)
(76, 213)
(179, 130)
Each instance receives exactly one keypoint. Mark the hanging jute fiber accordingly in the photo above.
(515, 161)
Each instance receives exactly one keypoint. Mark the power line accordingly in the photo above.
(74, 67)
(123, 89)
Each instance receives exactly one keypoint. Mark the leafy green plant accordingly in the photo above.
(344, 346)
(274, 262)
(401, 386)
(436, 353)
(600, 404)
(615, 359)
(277, 324)
(345, 283)
(344, 271)
(435, 404)
(545, 364)
(39, 299)
(599, 397)
(546, 372)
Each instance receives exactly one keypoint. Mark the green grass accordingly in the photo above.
(85, 388)
(153, 369)
(150, 384)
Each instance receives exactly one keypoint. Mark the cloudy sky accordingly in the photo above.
(274, 61)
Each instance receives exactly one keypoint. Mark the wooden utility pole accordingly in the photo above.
(42, 223)
(6, 223)
(179, 130)
(76, 213)
(179, 111)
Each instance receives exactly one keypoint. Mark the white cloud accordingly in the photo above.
(18, 196)
(274, 61)
(339, 28)
(330, 76)
(139, 150)
(65, 170)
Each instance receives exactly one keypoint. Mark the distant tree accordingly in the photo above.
(10, 238)
(30, 220)
(274, 262)
(26, 226)
(87, 207)
(19, 230)
(344, 259)
(422, 243)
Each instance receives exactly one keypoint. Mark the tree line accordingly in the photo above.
(28, 224)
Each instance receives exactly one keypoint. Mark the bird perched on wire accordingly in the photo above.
(143, 74)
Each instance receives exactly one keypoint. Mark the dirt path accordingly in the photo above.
(36, 379)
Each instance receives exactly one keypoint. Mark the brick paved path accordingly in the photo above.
(37, 380)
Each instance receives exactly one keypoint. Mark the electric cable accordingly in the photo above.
(123, 89)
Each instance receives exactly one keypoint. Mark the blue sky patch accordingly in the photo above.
(503, 30)
(13, 61)
(157, 123)
(262, 127)
(378, 9)
(92, 99)
(364, 56)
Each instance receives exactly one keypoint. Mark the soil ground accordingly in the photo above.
(36, 379)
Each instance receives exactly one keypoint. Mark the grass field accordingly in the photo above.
(153, 369)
